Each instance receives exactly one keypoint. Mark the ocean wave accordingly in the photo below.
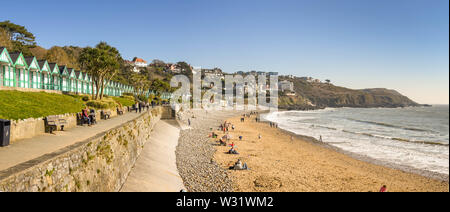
(396, 139)
(419, 142)
(324, 127)
(391, 125)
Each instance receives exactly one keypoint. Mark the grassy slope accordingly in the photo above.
(21, 105)
(15, 105)
(124, 101)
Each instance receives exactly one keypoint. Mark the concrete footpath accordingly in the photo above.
(156, 169)
(28, 149)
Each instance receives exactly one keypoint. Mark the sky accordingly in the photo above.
(396, 44)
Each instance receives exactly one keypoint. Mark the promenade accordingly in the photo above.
(28, 149)
(155, 169)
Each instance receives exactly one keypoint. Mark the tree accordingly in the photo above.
(159, 86)
(328, 81)
(184, 66)
(22, 40)
(73, 53)
(102, 63)
(5, 41)
(158, 63)
(140, 83)
(39, 52)
(67, 55)
(57, 54)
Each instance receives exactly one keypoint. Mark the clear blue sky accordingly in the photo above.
(398, 44)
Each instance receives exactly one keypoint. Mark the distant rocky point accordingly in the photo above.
(309, 95)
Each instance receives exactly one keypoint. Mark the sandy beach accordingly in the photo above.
(280, 162)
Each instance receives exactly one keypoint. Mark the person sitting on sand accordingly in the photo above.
(222, 142)
(383, 189)
(239, 166)
(240, 137)
(259, 136)
(233, 150)
(213, 135)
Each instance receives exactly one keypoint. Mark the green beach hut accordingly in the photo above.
(34, 72)
(7, 76)
(79, 81)
(20, 70)
(44, 75)
(64, 79)
(54, 76)
(72, 80)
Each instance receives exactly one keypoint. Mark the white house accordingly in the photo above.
(286, 85)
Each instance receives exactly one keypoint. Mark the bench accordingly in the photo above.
(80, 120)
(53, 122)
(119, 111)
(105, 114)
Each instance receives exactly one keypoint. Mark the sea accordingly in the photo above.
(417, 137)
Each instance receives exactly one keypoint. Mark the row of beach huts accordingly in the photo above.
(28, 72)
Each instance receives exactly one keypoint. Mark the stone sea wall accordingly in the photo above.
(101, 163)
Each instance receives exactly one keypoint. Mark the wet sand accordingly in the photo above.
(281, 162)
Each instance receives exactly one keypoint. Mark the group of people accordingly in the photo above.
(273, 125)
(225, 127)
(224, 141)
(249, 115)
(88, 116)
(140, 106)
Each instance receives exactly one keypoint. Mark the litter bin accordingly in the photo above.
(5, 126)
